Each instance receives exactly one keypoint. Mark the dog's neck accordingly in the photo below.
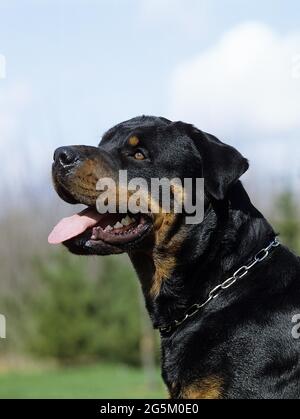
(231, 234)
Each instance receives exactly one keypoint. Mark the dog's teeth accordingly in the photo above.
(108, 229)
(118, 225)
(127, 221)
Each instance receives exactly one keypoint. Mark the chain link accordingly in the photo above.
(239, 274)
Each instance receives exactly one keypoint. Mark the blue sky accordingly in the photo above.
(74, 68)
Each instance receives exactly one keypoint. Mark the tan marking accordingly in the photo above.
(172, 390)
(93, 168)
(166, 262)
(134, 141)
(83, 183)
(162, 225)
(163, 270)
(206, 388)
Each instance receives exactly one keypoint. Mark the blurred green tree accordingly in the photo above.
(287, 220)
(77, 317)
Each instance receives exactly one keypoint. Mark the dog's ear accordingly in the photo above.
(222, 164)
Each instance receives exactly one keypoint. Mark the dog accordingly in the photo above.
(222, 292)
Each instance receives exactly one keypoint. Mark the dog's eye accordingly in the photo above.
(139, 155)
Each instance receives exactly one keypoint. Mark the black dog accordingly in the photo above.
(239, 344)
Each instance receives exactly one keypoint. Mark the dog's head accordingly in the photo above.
(146, 148)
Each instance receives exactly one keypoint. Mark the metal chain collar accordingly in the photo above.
(239, 274)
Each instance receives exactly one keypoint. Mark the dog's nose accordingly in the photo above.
(65, 156)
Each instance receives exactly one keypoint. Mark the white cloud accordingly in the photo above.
(243, 86)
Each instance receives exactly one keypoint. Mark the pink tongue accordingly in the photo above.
(71, 227)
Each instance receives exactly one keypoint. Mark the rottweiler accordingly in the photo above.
(224, 293)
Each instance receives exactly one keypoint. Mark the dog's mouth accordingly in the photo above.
(112, 229)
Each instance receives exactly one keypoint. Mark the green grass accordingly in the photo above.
(94, 382)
